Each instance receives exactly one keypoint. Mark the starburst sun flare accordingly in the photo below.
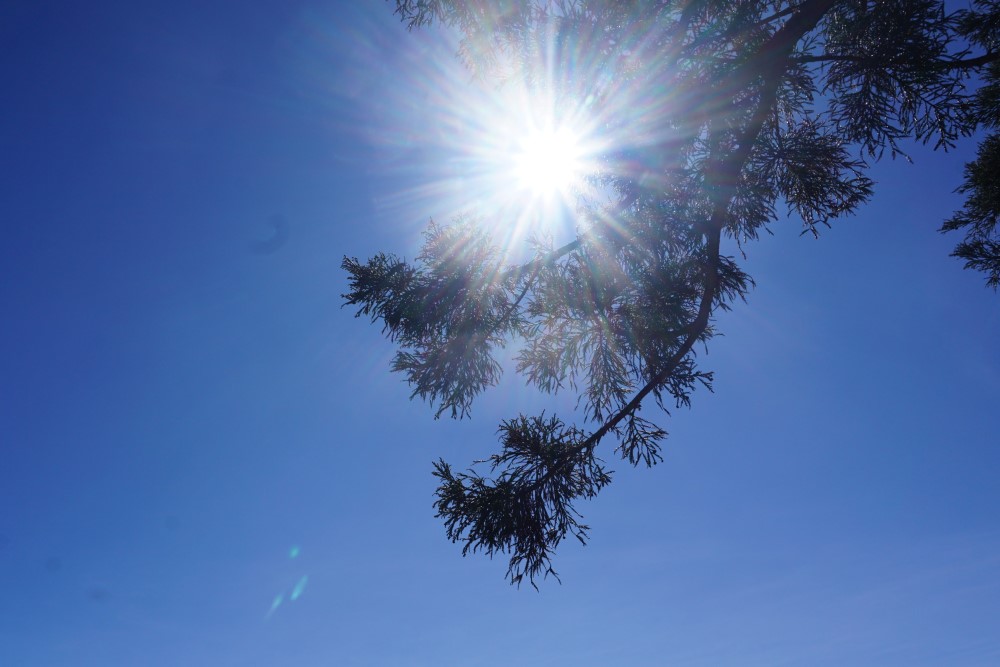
(530, 161)
(520, 155)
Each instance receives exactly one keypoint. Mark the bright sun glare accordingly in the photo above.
(548, 162)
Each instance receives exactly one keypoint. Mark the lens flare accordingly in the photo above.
(300, 588)
(278, 599)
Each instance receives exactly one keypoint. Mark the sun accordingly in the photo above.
(525, 157)
(549, 162)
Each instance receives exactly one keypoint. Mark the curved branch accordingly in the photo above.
(956, 64)
(696, 328)
(771, 63)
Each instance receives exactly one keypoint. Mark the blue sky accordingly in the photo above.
(190, 425)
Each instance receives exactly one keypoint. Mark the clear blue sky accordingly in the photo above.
(191, 426)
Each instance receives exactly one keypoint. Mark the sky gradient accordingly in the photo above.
(204, 459)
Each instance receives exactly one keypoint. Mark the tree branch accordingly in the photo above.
(697, 327)
(771, 61)
(737, 30)
(538, 263)
(968, 63)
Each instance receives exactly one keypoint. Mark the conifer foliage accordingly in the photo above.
(777, 104)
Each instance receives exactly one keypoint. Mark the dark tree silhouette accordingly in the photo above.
(776, 102)
(979, 216)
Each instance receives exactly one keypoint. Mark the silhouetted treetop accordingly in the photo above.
(773, 105)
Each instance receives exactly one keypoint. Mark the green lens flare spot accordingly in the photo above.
(278, 599)
(294, 552)
(299, 587)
